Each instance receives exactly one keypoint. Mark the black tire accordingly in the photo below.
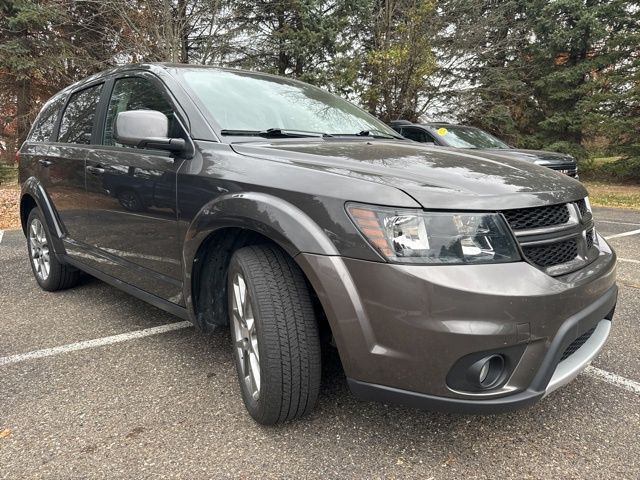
(287, 334)
(60, 276)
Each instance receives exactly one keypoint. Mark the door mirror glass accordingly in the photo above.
(146, 129)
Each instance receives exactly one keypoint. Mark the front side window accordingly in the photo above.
(136, 93)
(417, 135)
(45, 122)
(77, 121)
(244, 101)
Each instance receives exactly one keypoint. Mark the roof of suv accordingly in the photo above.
(162, 66)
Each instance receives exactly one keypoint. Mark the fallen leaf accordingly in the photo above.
(5, 433)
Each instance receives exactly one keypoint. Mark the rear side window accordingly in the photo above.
(77, 120)
(136, 93)
(43, 128)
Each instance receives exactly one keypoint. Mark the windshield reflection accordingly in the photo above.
(239, 100)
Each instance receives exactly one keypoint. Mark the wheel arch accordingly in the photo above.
(33, 195)
(232, 222)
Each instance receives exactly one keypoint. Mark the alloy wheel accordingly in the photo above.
(246, 336)
(39, 249)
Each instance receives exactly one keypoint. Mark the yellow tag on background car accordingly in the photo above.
(442, 131)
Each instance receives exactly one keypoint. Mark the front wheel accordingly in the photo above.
(275, 334)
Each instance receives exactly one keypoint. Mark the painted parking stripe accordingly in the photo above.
(1, 235)
(628, 260)
(624, 234)
(98, 342)
(608, 377)
(613, 379)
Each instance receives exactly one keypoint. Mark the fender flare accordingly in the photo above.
(33, 188)
(282, 222)
(271, 216)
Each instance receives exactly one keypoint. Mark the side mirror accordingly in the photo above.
(146, 129)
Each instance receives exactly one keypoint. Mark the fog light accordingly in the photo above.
(487, 371)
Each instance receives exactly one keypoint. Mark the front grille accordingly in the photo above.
(555, 235)
(570, 169)
(582, 207)
(537, 217)
(577, 343)
(589, 239)
(552, 253)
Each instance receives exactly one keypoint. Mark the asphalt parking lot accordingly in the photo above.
(165, 403)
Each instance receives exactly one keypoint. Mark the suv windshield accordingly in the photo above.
(468, 137)
(244, 103)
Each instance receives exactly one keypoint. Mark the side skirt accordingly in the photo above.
(158, 302)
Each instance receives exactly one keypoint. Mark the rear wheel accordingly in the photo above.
(274, 333)
(50, 273)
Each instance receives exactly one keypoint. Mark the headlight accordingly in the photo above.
(414, 236)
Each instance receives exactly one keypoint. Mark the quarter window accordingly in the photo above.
(43, 127)
(77, 122)
(136, 93)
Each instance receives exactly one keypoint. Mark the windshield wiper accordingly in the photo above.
(378, 134)
(373, 133)
(274, 133)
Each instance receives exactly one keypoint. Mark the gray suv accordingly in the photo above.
(447, 280)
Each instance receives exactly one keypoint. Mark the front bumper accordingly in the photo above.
(400, 329)
(565, 371)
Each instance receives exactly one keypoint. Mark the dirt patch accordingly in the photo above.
(9, 207)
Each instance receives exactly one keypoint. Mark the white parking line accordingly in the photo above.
(625, 234)
(628, 260)
(98, 342)
(608, 377)
(1, 235)
(613, 379)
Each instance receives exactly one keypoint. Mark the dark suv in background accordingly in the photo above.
(462, 136)
(446, 279)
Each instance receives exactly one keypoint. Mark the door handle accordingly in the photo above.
(45, 163)
(95, 170)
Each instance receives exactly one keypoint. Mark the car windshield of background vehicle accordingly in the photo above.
(469, 137)
(242, 101)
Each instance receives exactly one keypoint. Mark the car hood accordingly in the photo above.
(434, 177)
(540, 156)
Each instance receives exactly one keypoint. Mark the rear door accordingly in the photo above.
(131, 195)
(62, 172)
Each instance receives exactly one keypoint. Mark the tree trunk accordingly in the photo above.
(183, 31)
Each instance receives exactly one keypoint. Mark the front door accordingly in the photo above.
(131, 221)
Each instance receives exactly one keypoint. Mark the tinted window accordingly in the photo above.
(136, 93)
(416, 134)
(43, 128)
(45, 122)
(77, 121)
